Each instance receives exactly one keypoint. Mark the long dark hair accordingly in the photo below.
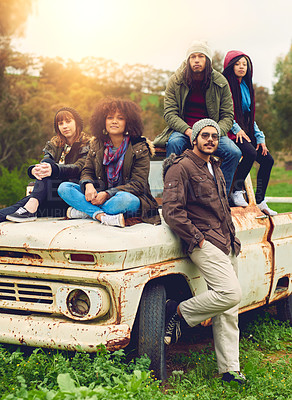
(189, 75)
(130, 110)
(246, 121)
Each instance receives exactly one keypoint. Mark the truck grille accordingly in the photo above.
(28, 293)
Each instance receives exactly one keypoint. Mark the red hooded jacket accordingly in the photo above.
(231, 55)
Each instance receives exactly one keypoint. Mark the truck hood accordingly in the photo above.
(86, 244)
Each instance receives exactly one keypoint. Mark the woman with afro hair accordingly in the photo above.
(114, 181)
(245, 132)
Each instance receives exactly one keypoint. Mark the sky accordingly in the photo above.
(159, 32)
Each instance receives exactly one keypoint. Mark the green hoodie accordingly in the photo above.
(218, 102)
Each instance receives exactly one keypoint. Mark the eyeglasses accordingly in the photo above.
(206, 135)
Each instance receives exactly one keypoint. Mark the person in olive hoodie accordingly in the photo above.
(197, 91)
(64, 158)
(195, 206)
(114, 180)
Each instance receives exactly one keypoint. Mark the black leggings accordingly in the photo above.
(50, 203)
(249, 155)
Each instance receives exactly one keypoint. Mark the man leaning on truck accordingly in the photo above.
(195, 206)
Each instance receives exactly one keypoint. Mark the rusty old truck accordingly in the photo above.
(77, 284)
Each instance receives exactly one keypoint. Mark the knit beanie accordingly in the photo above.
(76, 115)
(202, 123)
(199, 47)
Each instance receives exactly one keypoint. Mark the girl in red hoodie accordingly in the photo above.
(245, 132)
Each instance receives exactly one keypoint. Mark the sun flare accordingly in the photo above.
(70, 28)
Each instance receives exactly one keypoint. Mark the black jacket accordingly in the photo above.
(74, 160)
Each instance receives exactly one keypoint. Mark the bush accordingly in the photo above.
(13, 184)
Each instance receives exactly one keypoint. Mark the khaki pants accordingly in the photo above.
(219, 302)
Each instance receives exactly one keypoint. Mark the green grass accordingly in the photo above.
(265, 352)
(280, 185)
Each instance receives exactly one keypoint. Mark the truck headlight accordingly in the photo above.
(78, 303)
(82, 303)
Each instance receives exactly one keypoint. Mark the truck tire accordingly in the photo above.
(152, 327)
(284, 309)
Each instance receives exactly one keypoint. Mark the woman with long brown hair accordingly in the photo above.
(64, 158)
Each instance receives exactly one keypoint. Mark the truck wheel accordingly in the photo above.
(284, 309)
(152, 327)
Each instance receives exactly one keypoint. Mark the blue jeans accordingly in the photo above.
(121, 202)
(227, 150)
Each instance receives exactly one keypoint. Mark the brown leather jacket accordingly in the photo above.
(135, 175)
(195, 205)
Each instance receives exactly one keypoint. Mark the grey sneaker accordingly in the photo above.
(234, 376)
(238, 199)
(72, 213)
(265, 209)
(113, 220)
(22, 215)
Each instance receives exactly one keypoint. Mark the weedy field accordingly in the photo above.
(266, 359)
(265, 352)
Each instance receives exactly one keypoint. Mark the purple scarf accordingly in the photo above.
(114, 161)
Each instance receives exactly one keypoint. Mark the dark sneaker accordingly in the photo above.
(234, 376)
(22, 215)
(172, 323)
(170, 309)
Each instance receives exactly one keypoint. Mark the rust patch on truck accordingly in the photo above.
(280, 295)
(248, 217)
(116, 344)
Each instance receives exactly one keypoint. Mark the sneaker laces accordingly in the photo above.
(239, 193)
(173, 327)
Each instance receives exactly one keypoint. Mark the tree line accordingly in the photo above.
(34, 88)
(30, 100)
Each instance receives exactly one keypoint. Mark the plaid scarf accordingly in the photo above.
(113, 161)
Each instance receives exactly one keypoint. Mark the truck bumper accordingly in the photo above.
(63, 334)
